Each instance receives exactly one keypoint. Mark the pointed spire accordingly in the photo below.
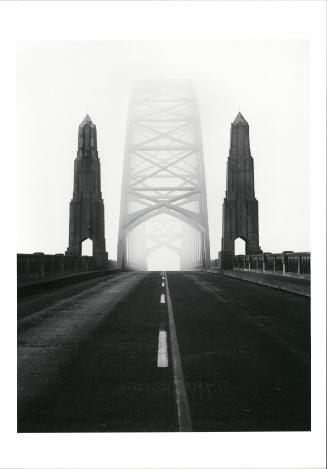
(239, 120)
(87, 120)
(239, 138)
(87, 139)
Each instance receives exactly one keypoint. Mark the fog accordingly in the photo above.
(59, 82)
(164, 243)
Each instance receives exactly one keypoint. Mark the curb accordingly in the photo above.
(292, 288)
(49, 284)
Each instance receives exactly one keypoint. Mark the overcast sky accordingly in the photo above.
(59, 82)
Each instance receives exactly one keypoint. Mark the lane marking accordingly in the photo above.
(162, 360)
(162, 298)
(183, 408)
(162, 284)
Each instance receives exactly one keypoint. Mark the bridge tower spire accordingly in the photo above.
(163, 200)
(240, 207)
(86, 219)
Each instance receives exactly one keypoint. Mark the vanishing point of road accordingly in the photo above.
(163, 352)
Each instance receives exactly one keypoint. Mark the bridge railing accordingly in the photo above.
(41, 266)
(286, 263)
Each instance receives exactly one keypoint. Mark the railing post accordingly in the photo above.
(61, 262)
(40, 263)
(284, 261)
(299, 265)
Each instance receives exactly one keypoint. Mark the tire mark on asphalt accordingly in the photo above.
(57, 333)
(35, 317)
(183, 408)
(249, 313)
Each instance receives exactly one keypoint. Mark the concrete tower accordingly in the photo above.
(240, 208)
(86, 219)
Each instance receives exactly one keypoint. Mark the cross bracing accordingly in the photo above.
(163, 171)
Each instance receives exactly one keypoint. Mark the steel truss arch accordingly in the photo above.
(163, 171)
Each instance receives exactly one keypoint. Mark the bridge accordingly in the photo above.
(215, 345)
(179, 351)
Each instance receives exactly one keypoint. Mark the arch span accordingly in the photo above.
(163, 169)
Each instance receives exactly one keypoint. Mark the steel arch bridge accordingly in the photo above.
(163, 184)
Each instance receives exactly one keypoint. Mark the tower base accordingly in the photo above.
(225, 260)
(101, 260)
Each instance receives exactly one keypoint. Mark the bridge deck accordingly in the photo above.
(88, 355)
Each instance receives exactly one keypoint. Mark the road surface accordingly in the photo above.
(144, 352)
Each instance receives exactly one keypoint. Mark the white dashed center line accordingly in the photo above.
(162, 298)
(162, 361)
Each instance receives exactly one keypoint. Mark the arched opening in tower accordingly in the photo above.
(87, 247)
(240, 247)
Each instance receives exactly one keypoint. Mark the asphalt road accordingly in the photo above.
(138, 352)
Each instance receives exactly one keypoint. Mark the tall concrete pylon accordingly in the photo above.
(240, 207)
(163, 175)
(86, 219)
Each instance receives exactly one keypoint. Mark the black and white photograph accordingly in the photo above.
(170, 198)
(151, 294)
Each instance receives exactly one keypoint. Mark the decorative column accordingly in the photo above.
(86, 219)
(240, 208)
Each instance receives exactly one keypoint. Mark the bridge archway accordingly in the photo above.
(163, 259)
(163, 240)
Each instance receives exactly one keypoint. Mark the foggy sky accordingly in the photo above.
(59, 82)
